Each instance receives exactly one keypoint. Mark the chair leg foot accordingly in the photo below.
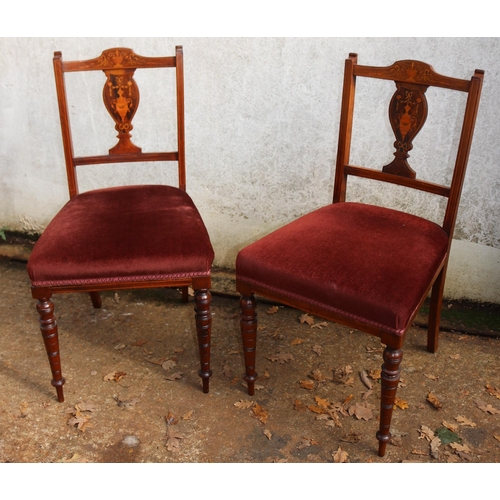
(391, 373)
(95, 297)
(248, 323)
(48, 327)
(203, 318)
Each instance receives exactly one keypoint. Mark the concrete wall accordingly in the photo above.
(261, 129)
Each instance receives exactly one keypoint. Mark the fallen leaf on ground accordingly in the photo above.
(362, 411)
(321, 325)
(340, 456)
(455, 356)
(297, 341)
(351, 438)
(487, 408)
(426, 433)
(168, 364)
(364, 378)
(267, 433)
(281, 358)
(465, 421)
(316, 409)
(170, 419)
(317, 349)
(126, 404)
(173, 439)
(318, 376)
(307, 384)
(451, 426)
(401, 404)
(433, 399)
(174, 376)
(306, 442)
(431, 377)
(323, 403)
(241, 405)
(188, 415)
(260, 413)
(272, 310)
(306, 318)
(496, 437)
(435, 444)
(81, 415)
(257, 387)
(375, 374)
(492, 391)
(116, 376)
(120, 346)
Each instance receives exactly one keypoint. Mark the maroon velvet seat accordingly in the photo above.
(361, 265)
(122, 237)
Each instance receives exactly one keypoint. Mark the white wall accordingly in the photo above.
(261, 130)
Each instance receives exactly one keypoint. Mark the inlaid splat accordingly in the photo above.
(407, 114)
(121, 97)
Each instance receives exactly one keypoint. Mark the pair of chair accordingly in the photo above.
(364, 266)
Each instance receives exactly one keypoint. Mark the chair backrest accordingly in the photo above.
(407, 115)
(121, 98)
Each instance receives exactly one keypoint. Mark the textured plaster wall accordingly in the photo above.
(261, 130)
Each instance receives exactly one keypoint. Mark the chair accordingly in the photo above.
(361, 265)
(122, 237)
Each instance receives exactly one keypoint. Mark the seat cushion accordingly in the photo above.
(365, 263)
(120, 234)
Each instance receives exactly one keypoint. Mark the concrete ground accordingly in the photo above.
(133, 393)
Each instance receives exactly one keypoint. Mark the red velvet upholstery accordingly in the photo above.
(121, 234)
(369, 263)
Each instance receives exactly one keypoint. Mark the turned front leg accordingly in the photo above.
(203, 319)
(48, 327)
(391, 373)
(248, 323)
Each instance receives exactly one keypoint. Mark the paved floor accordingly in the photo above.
(133, 393)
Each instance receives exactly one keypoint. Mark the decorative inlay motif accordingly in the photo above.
(407, 114)
(121, 96)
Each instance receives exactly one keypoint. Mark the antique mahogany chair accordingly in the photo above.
(361, 265)
(124, 237)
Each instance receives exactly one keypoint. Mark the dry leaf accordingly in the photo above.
(260, 413)
(460, 447)
(317, 349)
(126, 404)
(120, 346)
(168, 364)
(272, 310)
(188, 415)
(435, 444)
(170, 419)
(455, 356)
(351, 438)
(496, 437)
(487, 408)
(297, 341)
(361, 411)
(426, 433)
(306, 318)
(241, 405)
(364, 378)
(431, 377)
(173, 439)
(306, 442)
(316, 409)
(267, 433)
(450, 426)
(401, 404)
(465, 421)
(174, 376)
(375, 374)
(307, 384)
(281, 358)
(323, 403)
(493, 391)
(321, 325)
(116, 376)
(318, 376)
(340, 456)
(432, 398)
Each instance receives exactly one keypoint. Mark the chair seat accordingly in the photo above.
(362, 262)
(121, 234)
